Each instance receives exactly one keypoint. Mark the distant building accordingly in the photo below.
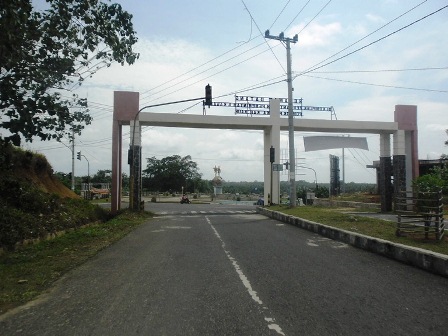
(425, 167)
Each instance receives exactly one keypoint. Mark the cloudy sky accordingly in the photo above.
(365, 56)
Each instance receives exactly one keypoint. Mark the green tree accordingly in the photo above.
(44, 53)
(437, 179)
(171, 173)
(64, 178)
(445, 156)
(102, 176)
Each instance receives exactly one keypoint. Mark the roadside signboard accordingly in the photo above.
(277, 167)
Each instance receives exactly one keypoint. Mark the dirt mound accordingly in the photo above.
(34, 168)
(47, 182)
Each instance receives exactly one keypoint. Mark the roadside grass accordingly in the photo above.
(372, 227)
(30, 270)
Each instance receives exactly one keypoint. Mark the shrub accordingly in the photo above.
(435, 181)
(36, 214)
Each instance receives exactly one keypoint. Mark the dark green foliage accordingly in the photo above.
(102, 176)
(64, 178)
(435, 181)
(44, 52)
(28, 213)
(243, 188)
(171, 174)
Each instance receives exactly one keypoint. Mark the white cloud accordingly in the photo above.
(317, 34)
(374, 18)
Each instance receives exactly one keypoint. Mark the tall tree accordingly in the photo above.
(171, 173)
(44, 53)
(102, 176)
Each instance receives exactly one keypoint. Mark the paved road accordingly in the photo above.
(222, 273)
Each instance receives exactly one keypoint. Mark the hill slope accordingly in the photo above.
(28, 167)
(33, 202)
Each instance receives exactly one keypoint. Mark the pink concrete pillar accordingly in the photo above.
(406, 117)
(125, 109)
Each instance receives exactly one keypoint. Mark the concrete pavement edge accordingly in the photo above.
(430, 261)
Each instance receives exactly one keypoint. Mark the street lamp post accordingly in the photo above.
(315, 175)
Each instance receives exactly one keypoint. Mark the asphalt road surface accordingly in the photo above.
(225, 270)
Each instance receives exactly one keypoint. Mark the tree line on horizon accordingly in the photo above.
(174, 174)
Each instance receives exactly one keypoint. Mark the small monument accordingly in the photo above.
(217, 181)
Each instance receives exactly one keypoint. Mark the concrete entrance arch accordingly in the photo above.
(403, 129)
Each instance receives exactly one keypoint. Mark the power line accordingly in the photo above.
(270, 48)
(200, 66)
(108, 109)
(261, 52)
(321, 66)
(379, 85)
(295, 17)
(223, 54)
(204, 71)
(259, 30)
(371, 43)
(380, 70)
(281, 12)
(363, 38)
(315, 16)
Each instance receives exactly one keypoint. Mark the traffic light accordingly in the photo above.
(130, 156)
(208, 95)
(272, 154)
(78, 155)
(69, 175)
(287, 165)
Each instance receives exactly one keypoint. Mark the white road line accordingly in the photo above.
(246, 282)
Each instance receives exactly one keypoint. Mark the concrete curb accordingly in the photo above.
(430, 261)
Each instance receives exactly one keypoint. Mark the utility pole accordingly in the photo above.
(73, 159)
(292, 156)
(79, 155)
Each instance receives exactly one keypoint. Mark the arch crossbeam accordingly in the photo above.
(126, 111)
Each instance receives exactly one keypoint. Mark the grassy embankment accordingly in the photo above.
(30, 270)
(35, 207)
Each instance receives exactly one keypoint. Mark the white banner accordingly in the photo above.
(314, 143)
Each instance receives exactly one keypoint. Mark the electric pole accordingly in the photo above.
(73, 159)
(292, 156)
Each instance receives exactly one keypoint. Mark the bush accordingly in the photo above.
(435, 181)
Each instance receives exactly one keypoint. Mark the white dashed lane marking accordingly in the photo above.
(320, 241)
(270, 320)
